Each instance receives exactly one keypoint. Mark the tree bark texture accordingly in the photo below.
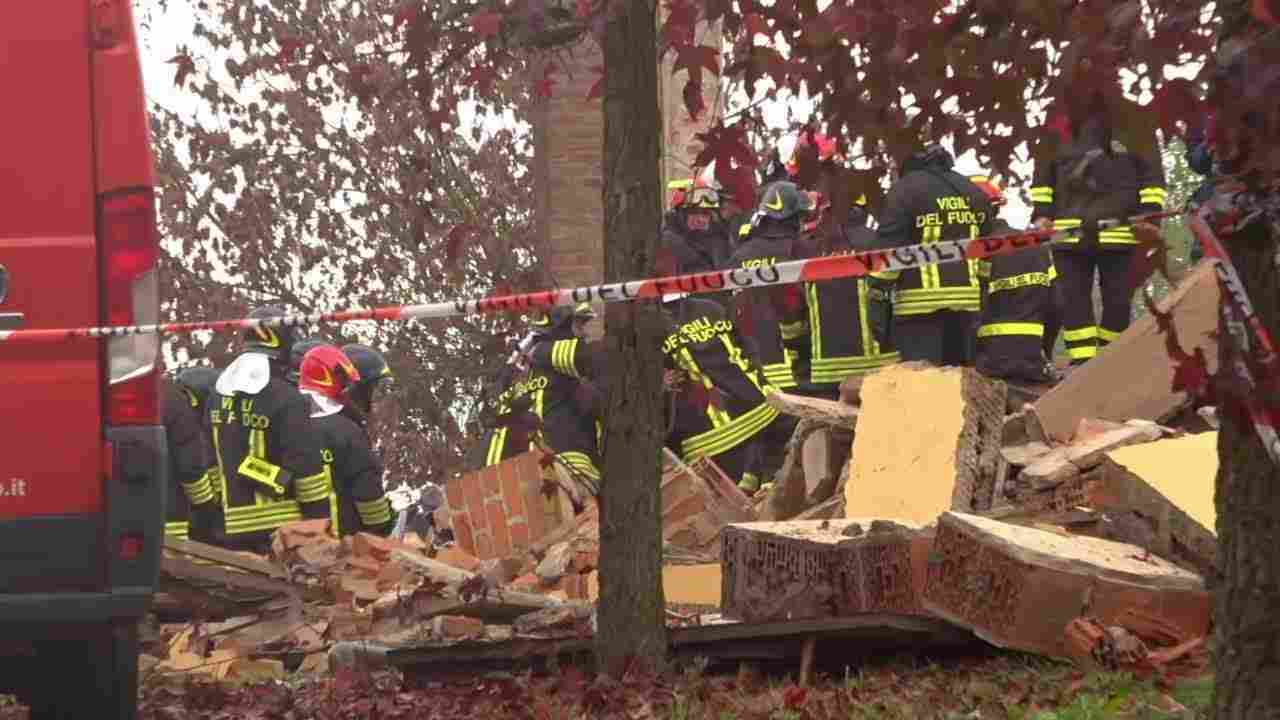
(1247, 596)
(631, 612)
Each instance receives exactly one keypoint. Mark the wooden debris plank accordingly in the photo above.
(224, 557)
(829, 412)
(497, 606)
(184, 569)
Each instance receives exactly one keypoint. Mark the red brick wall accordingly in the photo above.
(498, 511)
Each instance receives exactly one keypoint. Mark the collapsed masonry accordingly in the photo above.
(916, 502)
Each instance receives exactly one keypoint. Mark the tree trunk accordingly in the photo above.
(631, 617)
(1247, 595)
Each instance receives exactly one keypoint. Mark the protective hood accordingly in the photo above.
(932, 157)
(247, 374)
(325, 406)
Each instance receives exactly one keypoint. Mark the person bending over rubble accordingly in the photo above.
(717, 403)
(343, 390)
(548, 399)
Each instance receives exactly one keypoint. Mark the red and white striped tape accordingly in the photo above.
(827, 267)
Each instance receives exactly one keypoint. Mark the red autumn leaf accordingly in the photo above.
(483, 77)
(1268, 11)
(1191, 375)
(693, 101)
(757, 25)
(1060, 123)
(406, 14)
(453, 241)
(682, 18)
(185, 66)
(793, 697)
(289, 47)
(692, 58)
(486, 23)
(584, 9)
(597, 87)
(546, 86)
(1178, 100)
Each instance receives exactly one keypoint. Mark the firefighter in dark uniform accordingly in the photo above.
(772, 319)
(1017, 298)
(196, 385)
(262, 442)
(694, 231)
(554, 387)
(185, 437)
(1094, 177)
(849, 319)
(718, 407)
(352, 479)
(935, 307)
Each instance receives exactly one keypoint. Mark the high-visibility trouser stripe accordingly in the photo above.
(918, 302)
(1153, 196)
(779, 375)
(496, 445)
(1077, 335)
(832, 370)
(264, 516)
(562, 356)
(200, 490)
(1082, 353)
(723, 439)
(1042, 194)
(177, 529)
(374, 512)
(580, 462)
(1011, 328)
(1067, 223)
(316, 487)
(1107, 336)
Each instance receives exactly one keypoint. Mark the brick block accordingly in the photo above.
(1019, 587)
(820, 569)
(473, 492)
(462, 532)
(453, 493)
(928, 441)
(457, 627)
(513, 494)
(698, 502)
(520, 538)
(496, 514)
(490, 480)
(484, 547)
(574, 586)
(457, 557)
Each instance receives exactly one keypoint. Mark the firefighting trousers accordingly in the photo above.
(1081, 333)
(942, 337)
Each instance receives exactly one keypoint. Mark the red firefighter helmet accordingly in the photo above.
(827, 150)
(994, 192)
(695, 192)
(328, 371)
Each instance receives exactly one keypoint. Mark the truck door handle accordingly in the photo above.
(12, 321)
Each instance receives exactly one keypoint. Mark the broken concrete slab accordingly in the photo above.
(928, 441)
(556, 563)
(1184, 470)
(828, 412)
(818, 569)
(1133, 376)
(1090, 453)
(790, 490)
(1049, 470)
(1024, 453)
(1017, 587)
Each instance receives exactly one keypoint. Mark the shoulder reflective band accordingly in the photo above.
(262, 472)
(827, 267)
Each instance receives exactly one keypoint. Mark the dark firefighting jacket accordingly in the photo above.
(696, 250)
(771, 319)
(1017, 297)
(554, 391)
(723, 402)
(929, 204)
(351, 482)
(849, 319)
(187, 462)
(264, 448)
(1094, 178)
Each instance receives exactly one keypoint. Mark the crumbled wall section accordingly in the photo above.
(498, 511)
(979, 450)
(820, 569)
(1019, 587)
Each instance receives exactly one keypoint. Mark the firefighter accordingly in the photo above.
(718, 407)
(196, 385)
(772, 319)
(351, 483)
(187, 464)
(1094, 177)
(296, 353)
(553, 386)
(261, 440)
(849, 318)
(695, 231)
(935, 307)
(1016, 300)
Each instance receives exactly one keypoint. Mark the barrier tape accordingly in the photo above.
(1241, 320)
(827, 267)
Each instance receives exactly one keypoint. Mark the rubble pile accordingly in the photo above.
(1077, 523)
